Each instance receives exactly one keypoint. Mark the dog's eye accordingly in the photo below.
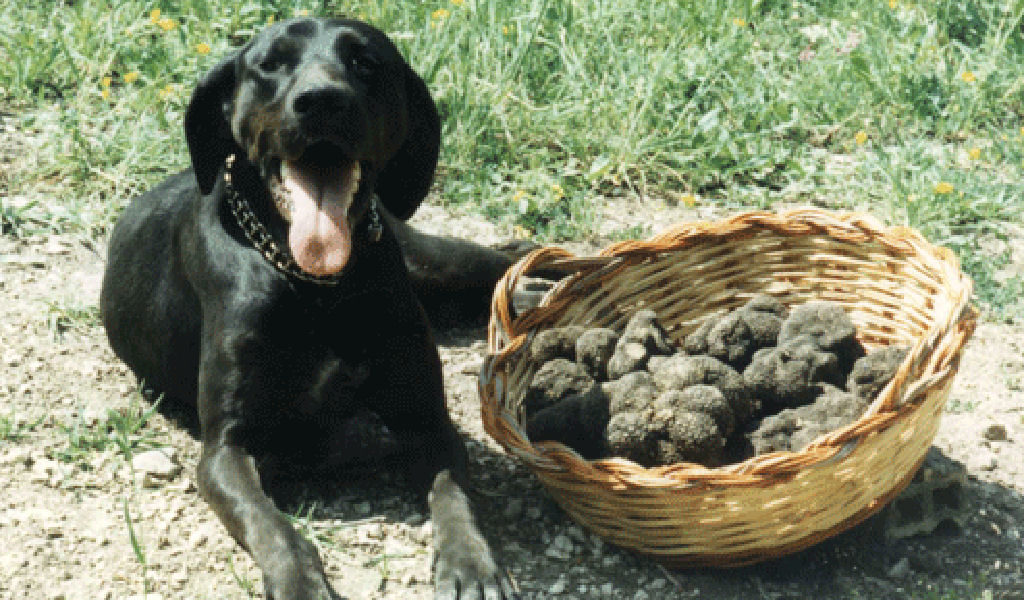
(364, 65)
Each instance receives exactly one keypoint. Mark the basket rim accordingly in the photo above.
(508, 333)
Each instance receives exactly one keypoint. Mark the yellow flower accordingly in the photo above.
(968, 76)
(1022, 131)
(439, 14)
(943, 187)
(912, 198)
(689, 200)
(154, 16)
(167, 24)
(203, 48)
(270, 19)
(458, 2)
(302, 12)
(105, 94)
(974, 153)
(505, 30)
(861, 137)
(519, 232)
(105, 82)
(519, 195)
(131, 77)
(557, 191)
(166, 92)
(892, 4)
(739, 22)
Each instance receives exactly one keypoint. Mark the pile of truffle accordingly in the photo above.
(758, 379)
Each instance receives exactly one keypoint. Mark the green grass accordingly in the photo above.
(551, 106)
(123, 430)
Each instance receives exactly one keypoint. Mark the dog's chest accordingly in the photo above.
(333, 385)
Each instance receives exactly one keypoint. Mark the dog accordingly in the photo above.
(274, 289)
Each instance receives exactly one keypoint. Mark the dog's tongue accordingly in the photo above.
(320, 235)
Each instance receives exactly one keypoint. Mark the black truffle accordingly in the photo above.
(632, 392)
(630, 435)
(828, 326)
(705, 399)
(791, 374)
(557, 342)
(872, 372)
(642, 338)
(595, 348)
(555, 380)
(680, 371)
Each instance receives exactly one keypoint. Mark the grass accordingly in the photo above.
(123, 430)
(910, 110)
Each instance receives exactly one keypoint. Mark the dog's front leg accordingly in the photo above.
(229, 482)
(464, 567)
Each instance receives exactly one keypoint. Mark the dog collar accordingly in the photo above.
(256, 232)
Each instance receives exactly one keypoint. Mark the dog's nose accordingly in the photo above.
(321, 102)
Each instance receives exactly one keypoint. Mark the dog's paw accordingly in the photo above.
(299, 577)
(466, 571)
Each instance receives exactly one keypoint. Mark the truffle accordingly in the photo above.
(558, 342)
(873, 371)
(705, 399)
(828, 326)
(556, 379)
(632, 392)
(697, 341)
(693, 437)
(642, 338)
(680, 371)
(794, 428)
(595, 348)
(578, 421)
(630, 435)
(792, 373)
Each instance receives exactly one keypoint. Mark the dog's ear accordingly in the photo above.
(405, 179)
(207, 130)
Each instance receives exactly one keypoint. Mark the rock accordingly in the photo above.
(995, 433)
(936, 495)
(156, 466)
(697, 341)
(561, 548)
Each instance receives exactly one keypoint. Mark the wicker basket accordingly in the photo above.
(898, 289)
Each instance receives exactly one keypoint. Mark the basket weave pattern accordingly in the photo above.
(897, 288)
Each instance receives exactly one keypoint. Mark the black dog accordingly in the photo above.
(267, 290)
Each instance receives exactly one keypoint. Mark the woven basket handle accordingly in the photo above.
(551, 262)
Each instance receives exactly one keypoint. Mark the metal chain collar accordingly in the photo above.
(256, 232)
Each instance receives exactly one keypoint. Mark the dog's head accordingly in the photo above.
(330, 114)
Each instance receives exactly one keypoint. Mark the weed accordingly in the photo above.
(63, 317)
(121, 429)
(13, 429)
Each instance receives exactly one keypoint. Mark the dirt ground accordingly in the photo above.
(78, 521)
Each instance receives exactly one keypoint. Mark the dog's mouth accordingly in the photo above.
(314, 193)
